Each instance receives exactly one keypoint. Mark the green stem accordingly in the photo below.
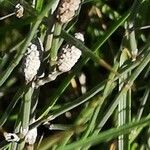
(26, 114)
(123, 105)
(55, 43)
(39, 5)
(27, 108)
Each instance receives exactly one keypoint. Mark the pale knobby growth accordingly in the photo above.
(32, 59)
(134, 54)
(82, 80)
(67, 9)
(67, 58)
(19, 10)
(11, 137)
(69, 55)
(31, 136)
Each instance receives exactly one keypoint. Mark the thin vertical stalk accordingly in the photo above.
(27, 108)
(26, 115)
(123, 105)
(55, 43)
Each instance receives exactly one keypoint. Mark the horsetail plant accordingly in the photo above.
(48, 108)
(31, 64)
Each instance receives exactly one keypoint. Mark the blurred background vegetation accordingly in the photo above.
(123, 44)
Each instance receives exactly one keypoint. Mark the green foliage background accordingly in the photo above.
(115, 62)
